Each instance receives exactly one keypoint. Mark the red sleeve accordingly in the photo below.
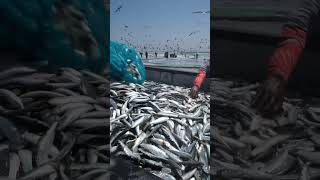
(294, 33)
(200, 77)
(286, 56)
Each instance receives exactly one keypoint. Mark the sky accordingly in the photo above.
(161, 25)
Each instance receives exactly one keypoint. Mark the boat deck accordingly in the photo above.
(242, 50)
(174, 76)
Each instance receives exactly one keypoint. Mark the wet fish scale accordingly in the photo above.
(37, 102)
(163, 132)
(270, 147)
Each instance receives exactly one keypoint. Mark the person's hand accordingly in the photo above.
(194, 92)
(269, 98)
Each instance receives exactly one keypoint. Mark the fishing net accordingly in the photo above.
(66, 33)
(72, 33)
(126, 64)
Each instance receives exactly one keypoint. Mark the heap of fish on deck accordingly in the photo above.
(160, 128)
(248, 146)
(53, 126)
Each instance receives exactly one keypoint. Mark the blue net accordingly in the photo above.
(57, 30)
(125, 64)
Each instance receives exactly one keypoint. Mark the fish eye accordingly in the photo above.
(129, 61)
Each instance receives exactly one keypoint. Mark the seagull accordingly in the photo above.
(118, 9)
(201, 12)
(193, 33)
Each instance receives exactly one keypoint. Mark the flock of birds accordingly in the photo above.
(195, 12)
(149, 44)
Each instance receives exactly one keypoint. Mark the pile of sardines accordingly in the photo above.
(53, 126)
(160, 128)
(247, 146)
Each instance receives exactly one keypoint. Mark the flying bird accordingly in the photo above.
(193, 33)
(118, 9)
(200, 12)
